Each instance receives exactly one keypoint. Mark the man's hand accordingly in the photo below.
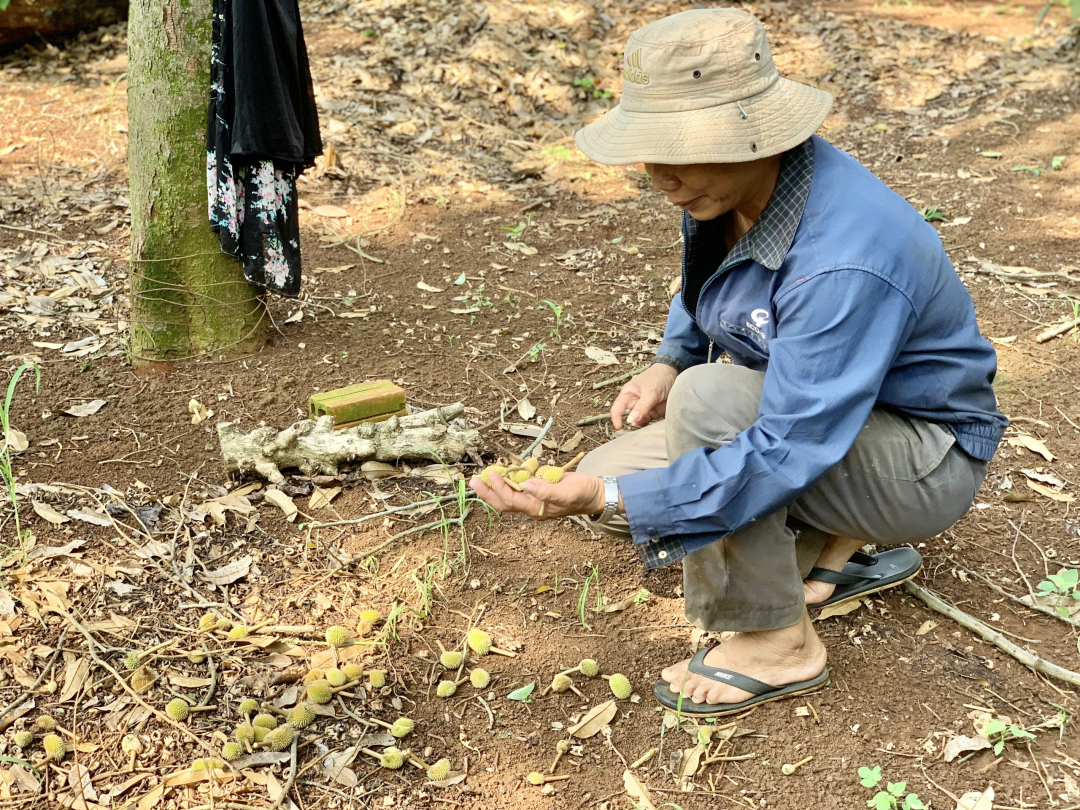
(645, 395)
(576, 494)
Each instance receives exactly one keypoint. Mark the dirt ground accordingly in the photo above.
(471, 255)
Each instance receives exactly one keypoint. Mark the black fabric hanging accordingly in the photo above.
(262, 131)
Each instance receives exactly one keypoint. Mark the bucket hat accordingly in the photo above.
(701, 87)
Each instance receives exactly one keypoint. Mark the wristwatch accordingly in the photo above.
(611, 500)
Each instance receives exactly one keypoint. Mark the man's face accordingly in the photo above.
(706, 190)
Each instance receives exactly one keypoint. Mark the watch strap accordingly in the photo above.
(611, 500)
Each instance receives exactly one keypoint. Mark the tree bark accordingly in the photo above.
(188, 298)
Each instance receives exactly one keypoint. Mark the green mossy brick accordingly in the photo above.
(360, 402)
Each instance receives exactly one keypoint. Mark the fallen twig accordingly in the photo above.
(391, 511)
(996, 638)
(625, 376)
(589, 420)
(292, 776)
(1054, 331)
(1036, 607)
(536, 443)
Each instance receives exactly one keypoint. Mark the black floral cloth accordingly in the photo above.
(262, 131)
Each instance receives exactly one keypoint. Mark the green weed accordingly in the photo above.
(933, 214)
(557, 311)
(1004, 733)
(6, 471)
(893, 796)
(515, 232)
(592, 579)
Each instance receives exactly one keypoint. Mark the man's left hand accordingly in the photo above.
(576, 494)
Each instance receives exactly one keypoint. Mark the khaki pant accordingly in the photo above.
(903, 480)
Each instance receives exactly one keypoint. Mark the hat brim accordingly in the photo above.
(776, 120)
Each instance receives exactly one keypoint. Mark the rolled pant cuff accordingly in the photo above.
(744, 620)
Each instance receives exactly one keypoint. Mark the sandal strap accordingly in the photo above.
(838, 577)
(860, 558)
(746, 683)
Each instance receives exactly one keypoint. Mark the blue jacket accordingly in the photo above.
(864, 309)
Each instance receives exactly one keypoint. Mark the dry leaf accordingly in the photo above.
(596, 719)
(690, 759)
(274, 788)
(45, 511)
(839, 609)
(261, 758)
(188, 682)
(81, 786)
(44, 552)
(320, 498)
(74, 677)
(1050, 492)
(420, 285)
(637, 791)
(1044, 478)
(449, 781)
(958, 745)
(1032, 444)
(926, 627)
(115, 624)
(571, 444)
(228, 574)
(282, 502)
(330, 211)
(295, 317)
(86, 409)
(88, 516)
(198, 411)
(16, 440)
(601, 356)
(526, 410)
(977, 801)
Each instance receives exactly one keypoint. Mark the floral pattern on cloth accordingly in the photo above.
(251, 202)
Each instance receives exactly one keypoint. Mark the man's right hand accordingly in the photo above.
(645, 396)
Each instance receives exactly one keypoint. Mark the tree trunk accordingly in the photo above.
(188, 299)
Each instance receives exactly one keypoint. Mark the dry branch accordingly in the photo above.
(315, 447)
(988, 633)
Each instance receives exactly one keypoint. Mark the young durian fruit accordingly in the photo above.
(320, 692)
(280, 738)
(45, 722)
(261, 733)
(518, 476)
(587, 667)
(620, 685)
(377, 678)
(336, 677)
(248, 706)
(231, 751)
(301, 716)
(552, 474)
(338, 636)
(392, 759)
(208, 622)
(315, 675)
(402, 727)
(267, 721)
(132, 661)
(480, 678)
(24, 739)
(562, 683)
(245, 734)
(531, 464)
(178, 710)
(451, 659)
(238, 633)
(447, 689)
(353, 672)
(54, 746)
(368, 620)
(223, 625)
(485, 474)
(480, 643)
(440, 770)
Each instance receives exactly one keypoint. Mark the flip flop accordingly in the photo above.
(866, 574)
(763, 692)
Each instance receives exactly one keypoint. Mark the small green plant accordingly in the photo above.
(893, 796)
(1057, 163)
(1034, 171)
(591, 83)
(557, 152)
(592, 579)
(6, 471)
(534, 352)
(933, 214)
(515, 231)
(999, 733)
(557, 311)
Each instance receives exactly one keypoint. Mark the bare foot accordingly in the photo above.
(834, 556)
(776, 657)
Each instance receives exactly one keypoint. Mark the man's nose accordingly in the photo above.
(663, 178)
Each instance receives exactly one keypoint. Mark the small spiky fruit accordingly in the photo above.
(54, 747)
(224, 625)
(280, 738)
(392, 759)
(131, 744)
(337, 636)
(245, 733)
(589, 668)
(248, 705)
(552, 475)
(479, 641)
(519, 476)
(132, 661)
(446, 689)
(485, 475)
(336, 677)
(301, 716)
(315, 675)
(440, 770)
(261, 733)
(353, 672)
(177, 710)
(531, 464)
(451, 659)
(208, 764)
(377, 678)
(198, 765)
(402, 727)
(536, 778)
(264, 721)
(231, 751)
(480, 678)
(561, 683)
(207, 622)
(620, 686)
(45, 723)
(238, 633)
(371, 615)
(196, 657)
(24, 739)
(320, 692)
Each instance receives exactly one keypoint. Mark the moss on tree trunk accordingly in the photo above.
(188, 298)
